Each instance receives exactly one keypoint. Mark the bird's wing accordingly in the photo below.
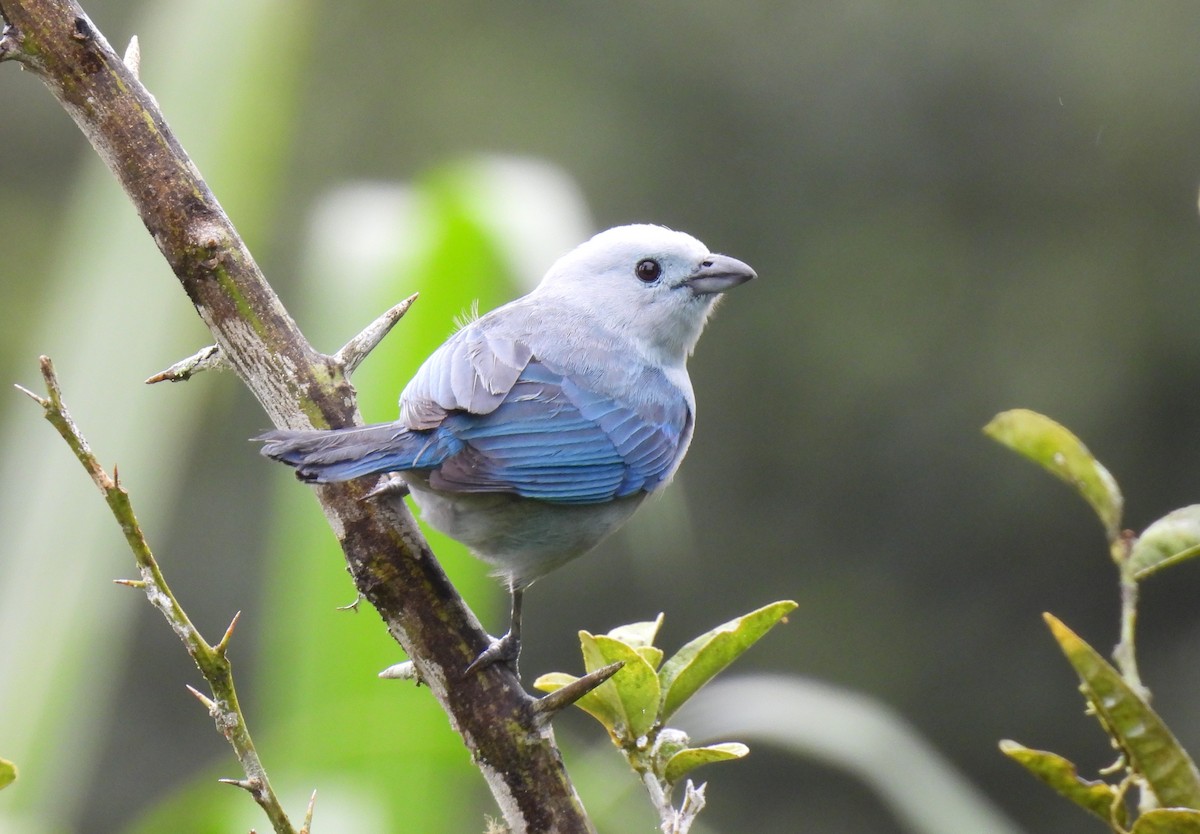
(552, 438)
(473, 372)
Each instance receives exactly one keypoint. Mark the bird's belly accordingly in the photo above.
(522, 537)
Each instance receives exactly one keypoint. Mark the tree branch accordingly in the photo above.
(297, 386)
(211, 660)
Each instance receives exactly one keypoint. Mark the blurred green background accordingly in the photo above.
(954, 208)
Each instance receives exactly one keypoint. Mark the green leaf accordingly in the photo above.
(553, 681)
(652, 655)
(8, 773)
(685, 761)
(1172, 539)
(632, 695)
(1060, 452)
(591, 703)
(609, 710)
(1149, 746)
(700, 660)
(594, 659)
(1168, 821)
(638, 635)
(1098, 797)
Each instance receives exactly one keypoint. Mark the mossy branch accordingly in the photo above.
(298, 387)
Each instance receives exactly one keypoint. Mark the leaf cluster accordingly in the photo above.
(635, 704)
(1151, 760)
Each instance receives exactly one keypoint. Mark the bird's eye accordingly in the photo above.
(648, 271)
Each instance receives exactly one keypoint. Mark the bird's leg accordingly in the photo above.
(507, 649)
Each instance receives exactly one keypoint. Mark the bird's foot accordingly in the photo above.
(506, 650)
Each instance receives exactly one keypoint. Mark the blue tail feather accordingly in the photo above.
(343, 454)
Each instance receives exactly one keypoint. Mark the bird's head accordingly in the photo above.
(650, 284)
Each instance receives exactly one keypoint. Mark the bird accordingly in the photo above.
(537, 429)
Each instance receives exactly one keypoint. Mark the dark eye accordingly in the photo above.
(648, 271)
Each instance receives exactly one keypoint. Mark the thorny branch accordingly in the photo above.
(298, 387)
(213, 661)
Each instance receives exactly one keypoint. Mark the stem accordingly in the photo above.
(212, 661)
(693, 804)
(660, 798)
(646, 762)
(1125, 652)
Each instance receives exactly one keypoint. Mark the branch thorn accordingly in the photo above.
(42, 401)
(546, 707)
(223, 645)
(133, 56)
(308, 814)
(140, 584)
(209, 703)
(253, 785)
(355, 351)
(404, 671)
(390, 484)
(352, 606)
(207, 358)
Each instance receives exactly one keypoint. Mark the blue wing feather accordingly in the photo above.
(552, 439)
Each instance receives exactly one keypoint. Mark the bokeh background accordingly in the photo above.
(954, 209)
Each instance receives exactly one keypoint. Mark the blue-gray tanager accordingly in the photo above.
(537, 429)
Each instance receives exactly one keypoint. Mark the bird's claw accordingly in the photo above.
(506, 650)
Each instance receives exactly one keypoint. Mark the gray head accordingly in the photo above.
(654, 286)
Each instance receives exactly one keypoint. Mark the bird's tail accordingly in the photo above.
(341, 454)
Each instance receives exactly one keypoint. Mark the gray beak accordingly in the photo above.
(717, 274)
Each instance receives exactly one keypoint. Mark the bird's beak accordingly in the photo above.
(717, 274)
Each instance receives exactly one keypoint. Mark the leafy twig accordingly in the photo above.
(213, 661)
(644, 691)
(1057, 450)
(1151, 758)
